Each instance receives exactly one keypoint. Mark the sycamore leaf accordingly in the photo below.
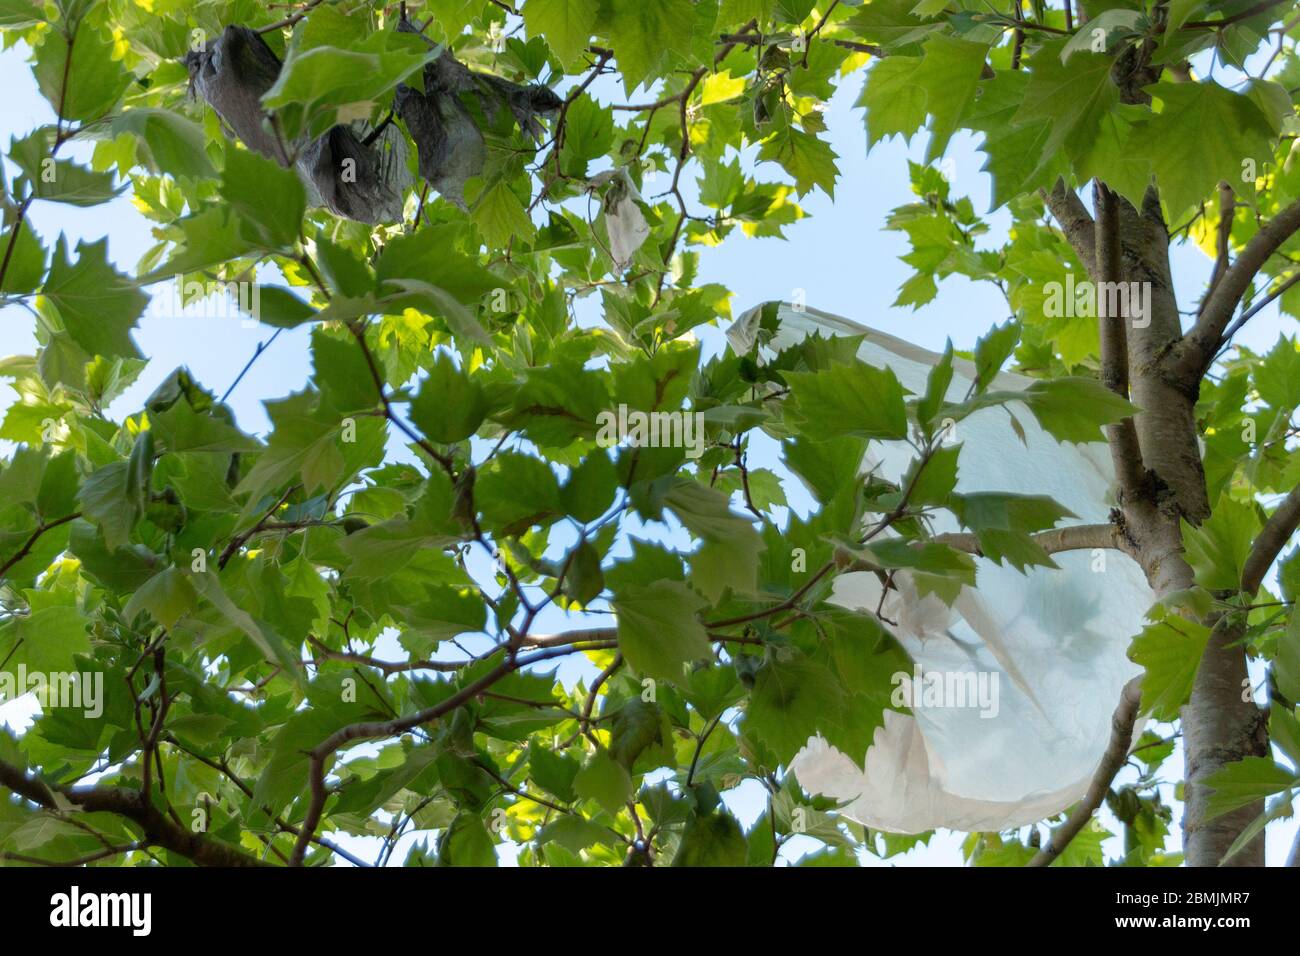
(167, 596)
(268, 199)
(604, 780)
(729, 556)
(644, 33)
(949, 75)
(658, 631)
(855, 399)
(712, 840)
(793, 700)
(893, 101)
(810, 160)
(79, 76)
(1244, 782)
(566, 25)
(1072, 98)
(1218, 548)
(99, 306)
(1204, 134)
(1170, 653)
(59, 180)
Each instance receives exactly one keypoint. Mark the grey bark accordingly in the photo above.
(1219, 726)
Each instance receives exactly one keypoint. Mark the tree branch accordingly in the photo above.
(1196, 351)
(1223, 247)
(35, 536)
(1122, 436)
(1079, 537)
(158, 829)
(1072, 215)
(372, 730)
(1121, 736)
(1270, 541)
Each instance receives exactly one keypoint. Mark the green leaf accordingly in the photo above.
(1104, 28)
(854, 399)
(317, 79)
(15, 14)
(894, 102)
(591, 487)
(175, 145)
(271, 644)
(949, 75)
(57, 179)
(640, 728)
(588, 134)
(936, 392)
(105, 501)
(553, 772)
(1286, 662)
(47, 641)
(285, 774)
(500, 215)
(729, 556)
(642, 34)
(934, 483)
(211, 236)
(1278, 376)
(180, 428)
(167, 596)
(1003, 522)
(342, 374)
(450, 405)
(1180, 11)
(566, 25)
(584, 581)
(1071, 98)
(809, 160)
(1068, 409)
(1218, 548)
(268, 199)
(604, 780)
(712, 840)
(793, 700)
(1202, 135)
(467, 843)
(431, 255)
(1244, 782)
(99, 306)
(515, 492)
(87, 87)
(992, 352)
(1170, 653)
(658, 630)
(443, 615)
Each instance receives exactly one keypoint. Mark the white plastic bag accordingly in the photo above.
(1051, 642)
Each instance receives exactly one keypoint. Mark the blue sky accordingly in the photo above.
(841, 257)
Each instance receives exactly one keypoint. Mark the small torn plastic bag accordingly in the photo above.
(1052, 643)
(354, 170)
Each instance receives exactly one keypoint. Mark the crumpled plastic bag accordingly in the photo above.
(1056, 639)
(448, 137)
(625, 224)
(351, 170)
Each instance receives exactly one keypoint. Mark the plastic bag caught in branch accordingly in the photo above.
(442, 123)
(1051, 644)
(624, 221)
(232, 73)
(349, 170)
(359, 178)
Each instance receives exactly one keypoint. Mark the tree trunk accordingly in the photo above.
(1221, 723)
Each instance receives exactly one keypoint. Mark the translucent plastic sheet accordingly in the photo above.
(1055, 639)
